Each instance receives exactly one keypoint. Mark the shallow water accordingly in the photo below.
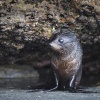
(25, 77)
(18, 83)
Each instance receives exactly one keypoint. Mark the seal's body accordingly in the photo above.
(66, 61)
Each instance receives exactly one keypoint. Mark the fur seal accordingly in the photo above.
(67, 60)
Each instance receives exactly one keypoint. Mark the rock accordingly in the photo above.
(11, 94)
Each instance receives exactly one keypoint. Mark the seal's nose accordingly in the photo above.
(54, 45)
(51, 44)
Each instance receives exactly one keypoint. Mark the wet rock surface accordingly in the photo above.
(14, 94)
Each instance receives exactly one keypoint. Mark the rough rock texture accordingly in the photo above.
(27, 25)
(11, 94)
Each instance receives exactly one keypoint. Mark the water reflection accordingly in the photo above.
(22, 83)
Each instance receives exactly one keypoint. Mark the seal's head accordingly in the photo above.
(64, 40)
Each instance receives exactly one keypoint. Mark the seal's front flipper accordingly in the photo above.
(75, 80)
(56, 83)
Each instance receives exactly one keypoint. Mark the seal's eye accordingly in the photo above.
(61, 40)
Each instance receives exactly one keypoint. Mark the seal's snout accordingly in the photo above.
(54, 46)
(51, 44)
